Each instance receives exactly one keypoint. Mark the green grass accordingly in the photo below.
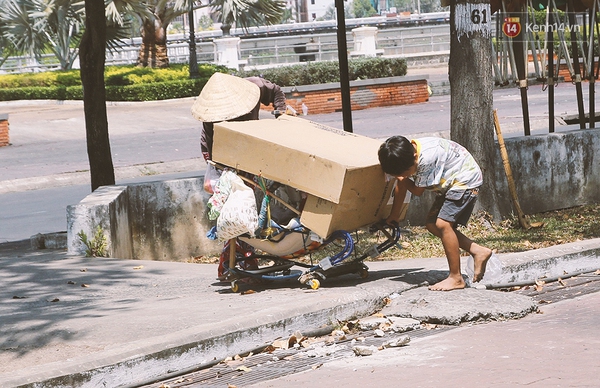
(558, 227)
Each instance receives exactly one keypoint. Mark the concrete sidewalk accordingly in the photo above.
(89, 322)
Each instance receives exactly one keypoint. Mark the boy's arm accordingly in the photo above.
(402, 186)
(414, 189)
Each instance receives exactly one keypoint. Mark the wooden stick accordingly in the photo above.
(523, 219)
(232, 249)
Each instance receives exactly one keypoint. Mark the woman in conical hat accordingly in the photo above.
(229, 98)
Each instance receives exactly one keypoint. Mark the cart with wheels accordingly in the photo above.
(259, 265)
(342, 191)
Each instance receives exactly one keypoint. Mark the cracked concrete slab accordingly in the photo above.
(458, 306)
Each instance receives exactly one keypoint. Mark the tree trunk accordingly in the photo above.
(153, 52)
(92, 58)
(471, 88)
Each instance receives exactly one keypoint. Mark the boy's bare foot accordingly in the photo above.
(449, 284)
(480, 261)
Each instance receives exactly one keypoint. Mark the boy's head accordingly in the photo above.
(397, 156)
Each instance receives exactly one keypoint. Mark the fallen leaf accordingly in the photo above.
(70, 282)
(231, 386)
(244, 368)
(138, 267)
(597, 272)
(316, 366)
(83, 270)
(84, 285)
(247, 292)
(562, 282)
(19, 297)
(539, 285)
(364, 350)
(539, 288)
(53, 300)
(397, 342)
(544, 301)
(280, 344)
(164, 386)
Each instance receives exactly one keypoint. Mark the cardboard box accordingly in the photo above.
(338, 170)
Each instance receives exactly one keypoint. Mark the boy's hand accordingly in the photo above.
(392, 222)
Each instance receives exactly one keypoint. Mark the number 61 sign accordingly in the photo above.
(472, 18)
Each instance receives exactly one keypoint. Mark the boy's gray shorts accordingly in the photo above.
(456, 211)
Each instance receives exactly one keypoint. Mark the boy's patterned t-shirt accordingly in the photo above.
(445, 167)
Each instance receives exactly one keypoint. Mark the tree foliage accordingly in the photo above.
(363, 8)
(35, 27)
(245, 13)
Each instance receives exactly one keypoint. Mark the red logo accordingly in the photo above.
(511, 27)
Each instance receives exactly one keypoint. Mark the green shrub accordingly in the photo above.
(327, 72)
(156, 91)
(48, 78)
(131, 83)
(34, 93)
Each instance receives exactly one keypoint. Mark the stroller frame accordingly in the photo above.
(346, 261)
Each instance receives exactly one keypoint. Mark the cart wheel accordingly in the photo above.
(363, 273)
(314, 284)
(235, 287)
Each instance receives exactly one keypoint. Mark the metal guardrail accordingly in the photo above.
(266, 52)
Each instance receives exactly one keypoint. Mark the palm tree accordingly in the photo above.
(244, 13)
(241, 13)
(34, 27)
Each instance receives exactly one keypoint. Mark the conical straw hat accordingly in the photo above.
(225, 97)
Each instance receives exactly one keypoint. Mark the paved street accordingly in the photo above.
(559, 347)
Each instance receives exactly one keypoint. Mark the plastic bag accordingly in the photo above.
(211, 177)
(222, 189)
(238, 214)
